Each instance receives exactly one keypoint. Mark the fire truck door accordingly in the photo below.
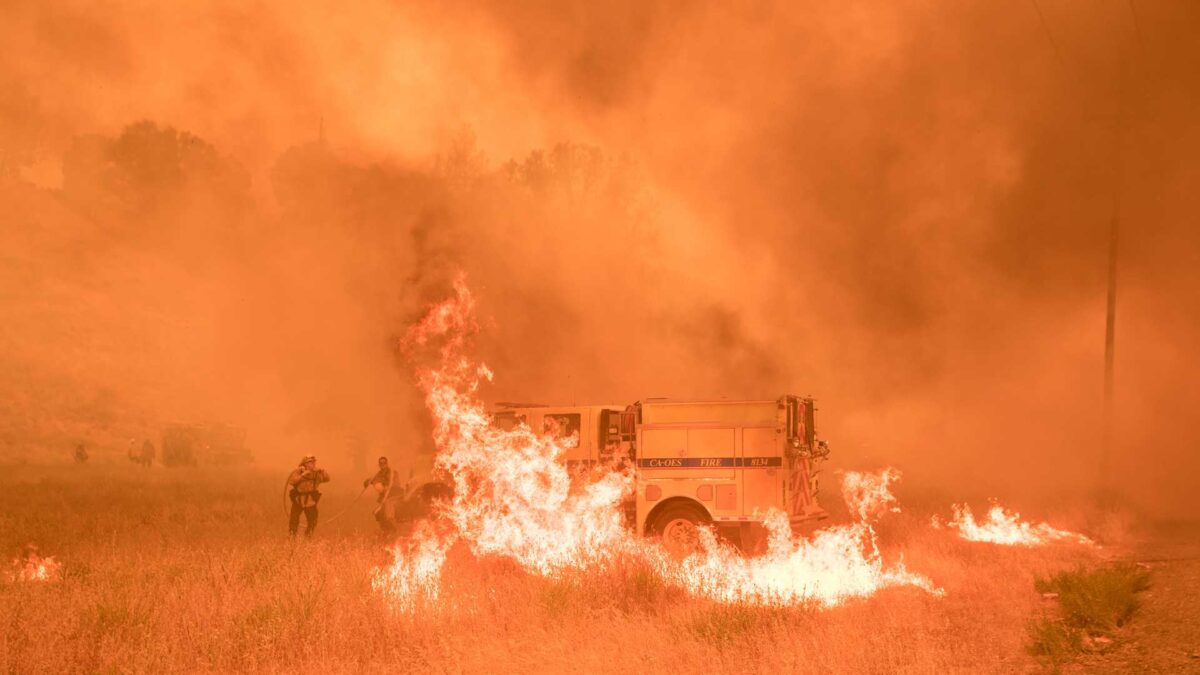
(762, 470)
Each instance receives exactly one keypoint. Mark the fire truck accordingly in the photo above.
(697, 463)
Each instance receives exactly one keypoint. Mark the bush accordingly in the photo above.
(1054, 641)
(1092, 603)
(1097, 600)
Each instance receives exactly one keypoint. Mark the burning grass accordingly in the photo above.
(1006, 528)
(192, 571)
(32, 566)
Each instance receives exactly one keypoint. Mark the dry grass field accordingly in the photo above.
(172, 571)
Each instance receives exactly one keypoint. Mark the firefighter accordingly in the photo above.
(81, 454)
(304, 494)
(144, 456)
(385, 512)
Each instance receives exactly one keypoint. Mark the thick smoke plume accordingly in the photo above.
(231, 213)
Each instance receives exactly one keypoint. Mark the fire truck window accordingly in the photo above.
(608, 421)
(564, 426)
(507, 421)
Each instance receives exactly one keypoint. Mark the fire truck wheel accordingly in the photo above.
(678, 527)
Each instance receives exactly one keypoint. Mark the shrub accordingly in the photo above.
(1053, 641)
(1097, 600)
(1091, 603)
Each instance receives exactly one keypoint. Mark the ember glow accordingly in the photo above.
(514, 498)
(1006, 527)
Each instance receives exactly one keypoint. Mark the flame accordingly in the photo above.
(512, 495)
(33, 567)
(870, 494)
(1006, 527)
(414, 577)
(836, 564)
(514, 498)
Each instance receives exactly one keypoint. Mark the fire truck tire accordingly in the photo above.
(678, 527)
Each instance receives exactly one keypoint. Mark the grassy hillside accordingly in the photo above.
(69, 335)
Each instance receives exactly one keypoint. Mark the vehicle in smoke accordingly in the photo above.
(204, 445)
(720, 463)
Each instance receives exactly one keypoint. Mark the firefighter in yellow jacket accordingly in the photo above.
(304, 494)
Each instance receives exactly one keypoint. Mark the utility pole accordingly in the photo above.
(1110, 323)
(1110, 331)
(1110, 320)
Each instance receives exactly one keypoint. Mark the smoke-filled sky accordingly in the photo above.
(224, 212)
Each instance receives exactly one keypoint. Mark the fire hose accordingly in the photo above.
(388, 492)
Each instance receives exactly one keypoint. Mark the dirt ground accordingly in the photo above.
(1164, 636)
